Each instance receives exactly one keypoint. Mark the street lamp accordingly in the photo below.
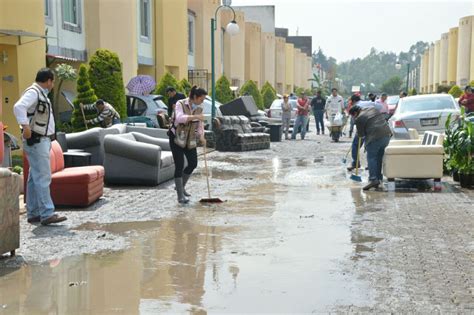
(398, 66)
(233, 29)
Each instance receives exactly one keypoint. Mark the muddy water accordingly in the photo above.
(278, 245)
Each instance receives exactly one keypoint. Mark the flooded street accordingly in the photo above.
(294, 235)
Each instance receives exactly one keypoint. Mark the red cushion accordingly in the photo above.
(83, 174)
(57, 158)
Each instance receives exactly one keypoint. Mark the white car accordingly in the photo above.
(274, 113)
(423, 113)
(207, 110)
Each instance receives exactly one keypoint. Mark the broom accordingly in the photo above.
(355, 177)
(208, 199)
(344, 159)
(83, 115)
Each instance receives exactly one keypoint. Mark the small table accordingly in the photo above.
(275, 132)
(74, 159)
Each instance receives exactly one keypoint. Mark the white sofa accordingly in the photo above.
(415, 159)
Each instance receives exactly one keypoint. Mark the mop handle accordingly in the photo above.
(207, 173)
(358, 153)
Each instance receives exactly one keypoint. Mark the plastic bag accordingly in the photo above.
(337, 120)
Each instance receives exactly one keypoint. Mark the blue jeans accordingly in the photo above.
(319, 117)
(355, 141)
(375, 152)
(38, 196)
(300, 121)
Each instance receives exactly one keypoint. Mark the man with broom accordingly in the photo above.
(372, 126)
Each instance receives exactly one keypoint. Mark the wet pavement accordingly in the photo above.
(294, 235)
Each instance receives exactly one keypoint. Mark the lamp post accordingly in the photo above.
(233, 29)
(398, 66)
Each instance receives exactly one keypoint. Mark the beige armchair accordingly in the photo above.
(9, 211)
(415, 159)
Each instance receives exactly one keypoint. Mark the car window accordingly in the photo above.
(140, 107)
(426, 104)
(393, 100)
(276, 104)
(130, 106)
(160, 104)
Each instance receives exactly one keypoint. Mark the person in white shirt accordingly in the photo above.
(381, 105)
(334, 105)
(34, 113)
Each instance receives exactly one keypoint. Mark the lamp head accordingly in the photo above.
(398, 65)
(232, 28)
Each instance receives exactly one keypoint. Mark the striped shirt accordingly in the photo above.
(106, 117)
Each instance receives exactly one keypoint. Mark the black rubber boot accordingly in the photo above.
(185, 180)
(180, 190)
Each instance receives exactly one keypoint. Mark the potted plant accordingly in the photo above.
(459, 148)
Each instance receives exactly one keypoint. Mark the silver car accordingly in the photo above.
(274, 113)
(146, 105)
(423, 113)
(207, 110)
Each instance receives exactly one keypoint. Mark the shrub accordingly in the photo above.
(299, 91)
(268, 94)
(105, 73)
(223, 92)
(184, 86)
(85, 95)
(17, 169)
(250, 88)
(166, 80)
(412, 92)
(443, 88)
(455, 91)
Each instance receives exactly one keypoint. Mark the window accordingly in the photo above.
(191, 34)
(145, 19)
(48, 12)
(71, 15)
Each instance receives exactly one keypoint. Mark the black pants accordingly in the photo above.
(178, 157)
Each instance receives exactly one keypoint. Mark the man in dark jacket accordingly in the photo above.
(318, 104)
(372, 125)
(173, 97)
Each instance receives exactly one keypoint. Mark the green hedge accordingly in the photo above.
(223, 92)
(455, 91)
(251, 88)
(105, 73)
(184, 86)
(85, 95)
(166, 80)
(268, 94)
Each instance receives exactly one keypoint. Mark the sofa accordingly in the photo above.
(416, 158)
(137, 159)
(92, 140)
(72, 186)
(9, 211)
(235, 133)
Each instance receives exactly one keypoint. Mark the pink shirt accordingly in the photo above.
(384, 106)
(181, 118)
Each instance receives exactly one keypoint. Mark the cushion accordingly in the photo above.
(166, 159)
(75, 175)
(56, 157)
(414, 150)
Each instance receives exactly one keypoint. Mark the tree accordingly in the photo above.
(268, 94)
(223, 92)
(251, 88)
(184, 86)
(64, 72)
(85, 95)
(105, 74)
(392, 85)
(455, 91)
(166, 80)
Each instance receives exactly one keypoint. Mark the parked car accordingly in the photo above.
(146, 106)
(392, 102)
(274, 113)
(423, 113)
(207, 110)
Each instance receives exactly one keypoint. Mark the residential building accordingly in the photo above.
(452, 55)
(443, 59)
(22, 47)
(280, 64)
(436, 61)
(430, 68)
(289, 68)
(253, 52)
(464, 50)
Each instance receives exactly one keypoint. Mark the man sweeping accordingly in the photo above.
(371, 125)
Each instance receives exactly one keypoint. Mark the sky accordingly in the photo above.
(347, 29)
